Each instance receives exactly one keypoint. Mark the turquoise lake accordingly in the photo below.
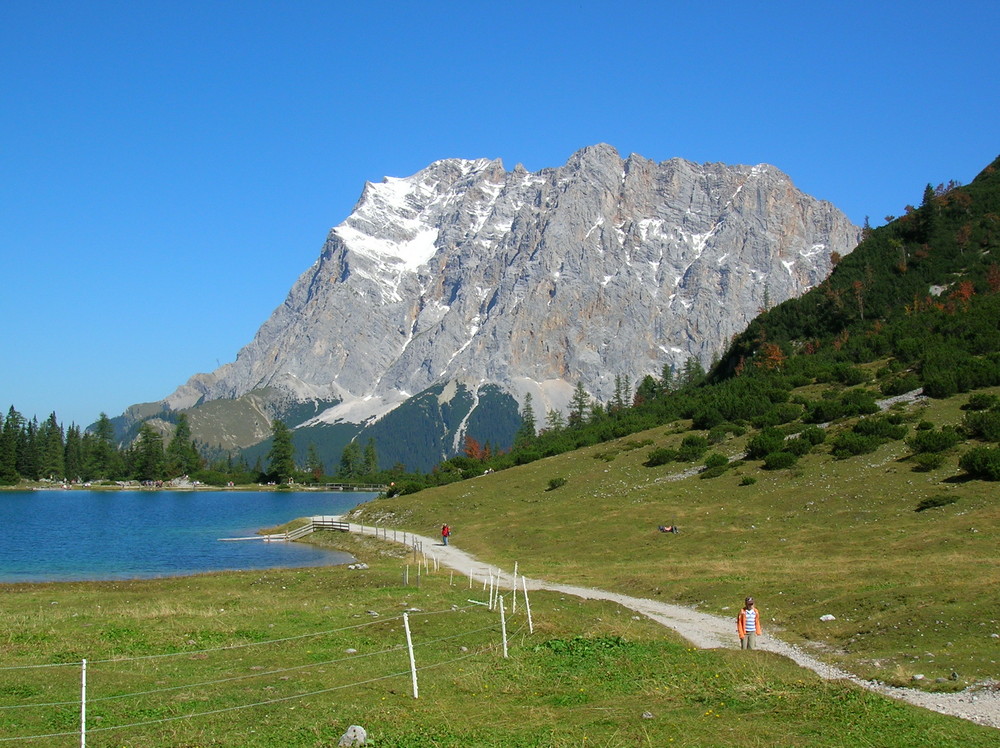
(48, 536)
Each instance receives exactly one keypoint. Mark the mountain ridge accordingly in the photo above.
(467, 273)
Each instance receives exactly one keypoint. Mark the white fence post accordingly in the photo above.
(83, 705)
(503, 627)
(527, 605)
(409, 646)
(513, 592)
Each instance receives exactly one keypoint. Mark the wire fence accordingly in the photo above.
(77, 698)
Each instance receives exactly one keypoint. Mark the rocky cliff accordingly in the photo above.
(468, 274)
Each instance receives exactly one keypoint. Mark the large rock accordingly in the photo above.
(468, 273)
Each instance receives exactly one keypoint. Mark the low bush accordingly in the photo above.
(779, 460)
(692, 448)
(982, 462)
(935, 501)
(924, 462)
(981, 401)
(555, 483)
(813, 434)
(660, 456)
(983, 425)
(850, 443)
(716, 460)
(748, 480)
(767, 441)
(933, 441)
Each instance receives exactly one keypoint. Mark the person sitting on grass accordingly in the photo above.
(668, 528)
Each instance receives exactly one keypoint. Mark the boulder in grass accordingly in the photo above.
(354, 737)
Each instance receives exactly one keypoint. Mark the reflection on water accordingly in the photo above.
(87, 535)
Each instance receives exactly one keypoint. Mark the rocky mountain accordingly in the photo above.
(467, 283)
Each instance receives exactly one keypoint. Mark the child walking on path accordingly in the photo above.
(748, 625)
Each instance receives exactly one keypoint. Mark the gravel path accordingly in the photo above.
(979, 705)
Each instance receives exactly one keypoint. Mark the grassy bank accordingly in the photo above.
(912, 593)
(293, 657)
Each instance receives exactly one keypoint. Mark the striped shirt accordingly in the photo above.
(751, 616)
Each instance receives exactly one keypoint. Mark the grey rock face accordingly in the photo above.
(467, 272)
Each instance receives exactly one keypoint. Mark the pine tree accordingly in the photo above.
(370, 460)
(8, 447)
(148, 454)
(313, 463)
(281, 457)
(554, 421)
(182, 456)
(74, 453)
(51, 449)
(526, 431)
(578, 405)
(350, 462)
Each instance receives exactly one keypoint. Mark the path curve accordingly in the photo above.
(707, 631)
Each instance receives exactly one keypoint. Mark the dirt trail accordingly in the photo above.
(706, 631)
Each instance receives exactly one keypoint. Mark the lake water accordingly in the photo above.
(48, 536)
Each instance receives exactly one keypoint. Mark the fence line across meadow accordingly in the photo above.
(495, 603)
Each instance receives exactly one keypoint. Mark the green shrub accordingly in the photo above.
(881, 427)
(798, 446)
(924, 462)
(935, 501)
(813, 434)
(716, 460)
(719, 433)
(850, 443)
(982, 462)
(900, 385)
(779, 460)
(661, 456)
(981, 401)
(933, 441)
(555, 483)
(767, 441)
(983, 425)
(692, 448)
(748, 480)
(849, 375)
(713, 472)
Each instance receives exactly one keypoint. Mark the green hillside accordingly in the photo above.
(791, 473)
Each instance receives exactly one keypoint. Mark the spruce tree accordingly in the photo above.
(51, 449)
(578, 405)
(370, 460)
(526, 432)
(281, 457)
(181, 455)
(8, 448)
(148, 454)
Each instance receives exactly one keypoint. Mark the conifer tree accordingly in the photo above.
(51, 449)
(370, 459)
(578, 405)
(8, 447)
(526, 431)
(148, 454)
(350, 462)
(181, 454)
(281, 457)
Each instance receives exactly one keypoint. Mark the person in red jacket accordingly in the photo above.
(445, 534)
(748, 625)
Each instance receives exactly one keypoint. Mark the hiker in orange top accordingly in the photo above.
(445, 534)
(748, 625)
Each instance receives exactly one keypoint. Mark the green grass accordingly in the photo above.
(912, 592)
(586, 677)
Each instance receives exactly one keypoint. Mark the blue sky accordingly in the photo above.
(168, 169)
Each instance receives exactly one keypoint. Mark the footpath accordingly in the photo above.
(706, 631)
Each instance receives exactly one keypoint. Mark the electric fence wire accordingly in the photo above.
(189, 652)
(267, 702)
(262, 674)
